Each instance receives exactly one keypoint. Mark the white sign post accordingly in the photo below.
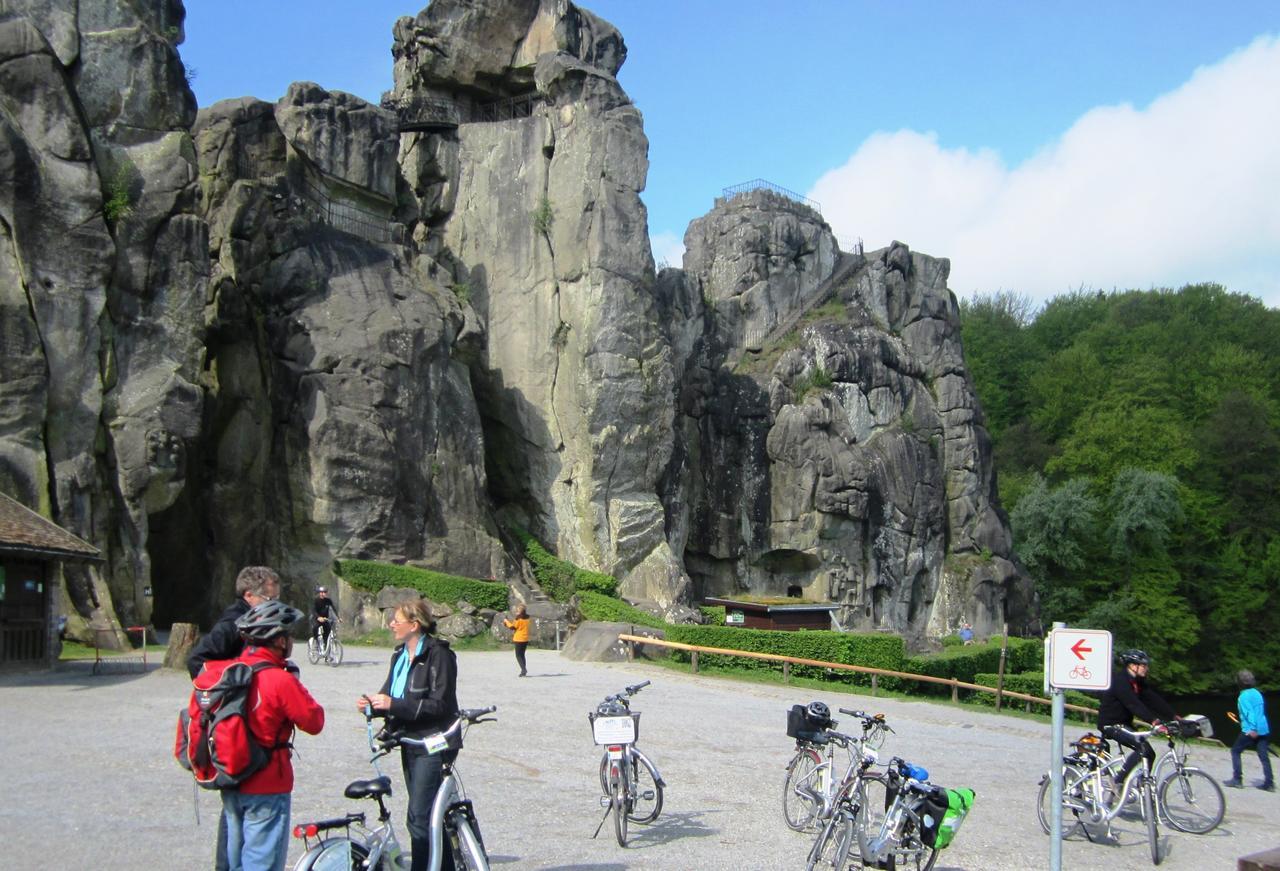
(1076, 659)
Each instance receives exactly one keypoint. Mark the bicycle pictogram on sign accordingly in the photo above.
(1081, 672)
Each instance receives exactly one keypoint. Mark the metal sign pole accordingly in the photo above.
(1055, 772)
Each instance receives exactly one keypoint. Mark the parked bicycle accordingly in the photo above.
(330, 650)
(362, 848)
(893, 821)
(1187, 798)
(813, 779)
(859, 788)
(631, 784)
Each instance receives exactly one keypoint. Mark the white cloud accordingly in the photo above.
(668, 249)
(1184, 190)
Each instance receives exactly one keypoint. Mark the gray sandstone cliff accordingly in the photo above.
(288, 332)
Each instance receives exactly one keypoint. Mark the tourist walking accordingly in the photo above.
(1255, 734)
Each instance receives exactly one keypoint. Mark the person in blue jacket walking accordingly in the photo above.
(1255, 734)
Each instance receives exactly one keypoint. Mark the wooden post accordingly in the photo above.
(182, 637)
(786, 672)
(631, 645)
(694, 661)
(875, 684)
(1004, 648)
(955, 691)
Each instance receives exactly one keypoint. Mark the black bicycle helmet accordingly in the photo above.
(818, 712)
(1135, 657)
(267, 620)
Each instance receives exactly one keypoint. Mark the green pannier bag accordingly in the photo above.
(959, 801)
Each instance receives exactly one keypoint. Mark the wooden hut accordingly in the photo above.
(757, 615)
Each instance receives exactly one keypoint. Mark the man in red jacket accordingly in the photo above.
(257, 813)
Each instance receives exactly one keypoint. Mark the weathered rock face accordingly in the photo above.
(855, 468)
(549, 238)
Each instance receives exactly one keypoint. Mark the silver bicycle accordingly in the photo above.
(362, 848)
(631, 784)
(330, 650)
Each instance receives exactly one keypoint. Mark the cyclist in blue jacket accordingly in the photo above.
(1255, 734)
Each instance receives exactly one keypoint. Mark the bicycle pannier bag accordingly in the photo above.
(213, 741)
(944, 811)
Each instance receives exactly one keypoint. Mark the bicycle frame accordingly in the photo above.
(889, 839)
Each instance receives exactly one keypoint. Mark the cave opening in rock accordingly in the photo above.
(180, 576)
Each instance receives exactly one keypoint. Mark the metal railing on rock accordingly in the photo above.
(423, 113)
(759, 184)
(348, 217)
(634, 641)
(506, 109)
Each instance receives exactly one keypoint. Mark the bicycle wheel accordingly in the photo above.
(1191, 801)
(334, 854)
(643, 783)
(313, 650)
(334, 656)
(873, 801)
(1075, 799)
(830, 849)
(801, 790)
(1153, 824)
(468, 849)
(618, 778)
(912, 854)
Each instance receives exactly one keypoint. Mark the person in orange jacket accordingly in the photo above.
(257, 812)
(519, 636)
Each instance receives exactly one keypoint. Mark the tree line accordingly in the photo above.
(1137, 449)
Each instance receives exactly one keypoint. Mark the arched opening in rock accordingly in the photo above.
(180, 581)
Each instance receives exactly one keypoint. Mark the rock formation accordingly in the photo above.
(315, 328)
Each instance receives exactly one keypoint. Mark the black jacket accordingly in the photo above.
(323, 608)
(1130, 697)
(430, 701)
(223, 640)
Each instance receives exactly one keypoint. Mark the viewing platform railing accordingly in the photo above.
(759, 184)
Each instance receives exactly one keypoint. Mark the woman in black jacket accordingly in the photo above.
(419, 698)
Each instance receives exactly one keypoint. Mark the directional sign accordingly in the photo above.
(1079, 659)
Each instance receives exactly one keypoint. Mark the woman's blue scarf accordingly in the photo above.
(400, 674)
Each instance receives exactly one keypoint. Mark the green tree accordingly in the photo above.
(1144, 510)
(1115, 435)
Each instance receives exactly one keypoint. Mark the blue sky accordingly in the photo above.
(1040, 146)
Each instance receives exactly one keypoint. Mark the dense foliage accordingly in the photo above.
(560, 579)
(1137, 442)
(965, 662)
(438, 587)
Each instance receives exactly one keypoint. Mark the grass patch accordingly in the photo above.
(436, 586)
(72, 650)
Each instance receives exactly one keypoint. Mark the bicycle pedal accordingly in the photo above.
(605, 801)
(648, 795)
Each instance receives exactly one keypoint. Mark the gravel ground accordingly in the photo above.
(89, 780)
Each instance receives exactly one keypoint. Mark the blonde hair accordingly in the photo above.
(419, 612)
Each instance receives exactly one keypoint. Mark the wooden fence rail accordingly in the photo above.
(876, 673)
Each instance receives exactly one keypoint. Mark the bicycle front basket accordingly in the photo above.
(1195, 726)
(616, 730)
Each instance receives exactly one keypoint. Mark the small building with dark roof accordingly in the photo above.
(789, 616)
(31, 547)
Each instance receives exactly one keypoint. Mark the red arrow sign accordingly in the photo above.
(1080, 650)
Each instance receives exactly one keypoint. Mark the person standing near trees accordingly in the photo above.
(519, 627)
(1255, 734)
(419, 698)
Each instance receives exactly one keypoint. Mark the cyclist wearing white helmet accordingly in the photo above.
(323, 613)
(1129, 698)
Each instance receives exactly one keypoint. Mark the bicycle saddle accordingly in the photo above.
(379, 786)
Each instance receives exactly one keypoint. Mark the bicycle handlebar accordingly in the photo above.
(466, 717)
(624, 696)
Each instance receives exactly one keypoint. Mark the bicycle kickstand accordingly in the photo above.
(608, 810)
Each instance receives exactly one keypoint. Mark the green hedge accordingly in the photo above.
(436, 586)
(714, 614)
(1031, 683)
(965, 662)
(872, 650)
(558, 578)
(606, 609)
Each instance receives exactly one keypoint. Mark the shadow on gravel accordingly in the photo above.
(555, 674)
(671, 827)
(73, 672)
(594, 866)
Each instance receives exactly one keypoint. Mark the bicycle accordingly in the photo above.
(857, 790)
(330, 651)
(1190, 799)
(883, 825)
(361, 848)
(1087, 793)
(623, 767)
(809, 787)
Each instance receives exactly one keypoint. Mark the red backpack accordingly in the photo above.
(214, 742)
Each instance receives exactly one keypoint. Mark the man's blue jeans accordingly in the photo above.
(1243, 743)
(257, 830)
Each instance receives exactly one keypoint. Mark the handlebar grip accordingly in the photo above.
(476, 713)
(632, 690)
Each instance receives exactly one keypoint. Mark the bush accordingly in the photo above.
(713, 613)
(965, 662)
(873, 650)
(560, 579)
(602, 608)
(1030, 683)
(436, 586)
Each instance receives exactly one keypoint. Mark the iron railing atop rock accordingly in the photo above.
(348, 217)
(436, 113)
(757, 184)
